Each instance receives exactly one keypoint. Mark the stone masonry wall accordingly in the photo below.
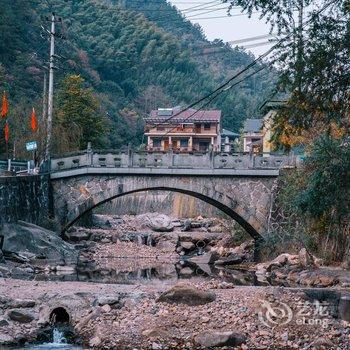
(24, 198)
(248, 198)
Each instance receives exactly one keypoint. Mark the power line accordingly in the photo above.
(215, 96)
(221, 86)
(226, 84)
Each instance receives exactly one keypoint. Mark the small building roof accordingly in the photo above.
(253, 125)
(229, 133)
(175, 116)
(273, 104)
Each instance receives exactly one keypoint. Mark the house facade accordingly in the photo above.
(257, 135)
(228, 140)
(187, 131)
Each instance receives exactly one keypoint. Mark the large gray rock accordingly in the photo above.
(25, 238)
(232, 259)
(186, 294)
(207, 258)
(106, 221)
(211, 339)
(77, 235)
(20, 316)
(187, 245)
(156, 222)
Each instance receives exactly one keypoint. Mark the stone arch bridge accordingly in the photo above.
(242, 186)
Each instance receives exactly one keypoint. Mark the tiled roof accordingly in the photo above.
(253, 125)
(188, 116)
(226, 132)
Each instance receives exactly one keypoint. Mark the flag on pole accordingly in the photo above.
(5, 106)
(7, 132)
(34, 121)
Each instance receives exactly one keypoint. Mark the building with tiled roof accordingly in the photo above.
(184, 131)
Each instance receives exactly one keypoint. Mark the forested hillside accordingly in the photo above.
(131, 59)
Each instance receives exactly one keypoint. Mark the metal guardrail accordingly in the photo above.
(15, 165)
(171, 160)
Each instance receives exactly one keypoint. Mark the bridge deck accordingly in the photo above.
(165, 171)
(140, 163)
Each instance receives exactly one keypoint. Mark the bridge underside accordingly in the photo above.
(246, 200)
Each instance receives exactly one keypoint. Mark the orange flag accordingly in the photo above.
(7, 132)
(5, 106)
(34, 121)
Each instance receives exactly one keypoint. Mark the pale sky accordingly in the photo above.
(226, 28)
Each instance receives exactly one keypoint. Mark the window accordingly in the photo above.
(207, 126)
(183, 143)
(160, 128)
(157, 143)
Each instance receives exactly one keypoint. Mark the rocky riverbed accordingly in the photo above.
(154, 282)
(198, 314)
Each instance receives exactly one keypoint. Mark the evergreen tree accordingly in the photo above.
(79, 110)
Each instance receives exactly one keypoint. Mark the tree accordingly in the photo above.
(313, 53)
(79, 113)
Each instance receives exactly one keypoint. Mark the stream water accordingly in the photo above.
(59, 342)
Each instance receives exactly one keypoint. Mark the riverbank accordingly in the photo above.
(129, 317)
(155, 282)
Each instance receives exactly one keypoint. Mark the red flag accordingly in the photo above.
(34, 121)
(5, 106)
(7, 132)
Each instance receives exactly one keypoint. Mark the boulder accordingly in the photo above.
(77, 235)
(20, 316)
(186, 271)
(95, 341)
(3, 323)
(20, 303)
(212, 339)
(186, 294)
(187, 245)
(284, 259)
(22, 237)
(20, 258)
(186, 226)
(207, 258)
(156, 222)
(114, 302)
(196, 224)
(232, 259)
(106, 221)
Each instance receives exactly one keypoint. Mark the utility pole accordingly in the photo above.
(50, 96)
(44, 115)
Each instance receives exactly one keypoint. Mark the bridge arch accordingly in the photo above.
(102, 198)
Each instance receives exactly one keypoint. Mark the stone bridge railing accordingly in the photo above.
(171, 160)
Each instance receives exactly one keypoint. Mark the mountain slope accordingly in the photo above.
(132, 63)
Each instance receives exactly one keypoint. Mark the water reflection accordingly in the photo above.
(127, 272)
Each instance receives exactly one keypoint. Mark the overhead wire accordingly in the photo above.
(216, 95)
(224, 85)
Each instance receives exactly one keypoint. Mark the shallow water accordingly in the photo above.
(52, 346)
(127, 275)
(59, 342)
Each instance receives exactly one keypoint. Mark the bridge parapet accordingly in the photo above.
(170, 160)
